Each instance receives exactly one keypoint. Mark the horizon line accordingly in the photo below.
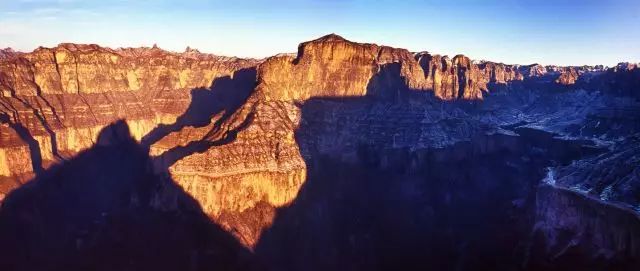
(255, 57)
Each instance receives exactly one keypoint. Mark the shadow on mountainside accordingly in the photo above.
(221, 103)
(40, 116)
(25, 135)
(373, 199)
(113, 207)
(38, 112)
(389, 85)
(370, 204)
(106, 209)
(225, 96)
(217, 136)
(464, 207)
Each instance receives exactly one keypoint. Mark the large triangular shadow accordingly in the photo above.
(107, 209)
(464, 207)
(370, 204)
(113, 207)
(218, 102)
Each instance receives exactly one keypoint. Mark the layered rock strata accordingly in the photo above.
(333, 66)
(241, 135)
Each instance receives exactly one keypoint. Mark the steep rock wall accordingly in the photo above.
(333, 66)
(574, 231)
(72, 68)
(55, 100)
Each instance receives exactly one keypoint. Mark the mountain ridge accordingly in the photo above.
(332, 37)
(246, 137)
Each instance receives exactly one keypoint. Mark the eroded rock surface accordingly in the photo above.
(106, 209)
(296, 154)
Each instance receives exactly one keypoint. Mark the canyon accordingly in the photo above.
(342, 156)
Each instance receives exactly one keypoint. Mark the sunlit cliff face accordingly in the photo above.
(314, 160)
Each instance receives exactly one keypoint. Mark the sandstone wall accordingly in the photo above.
(335, 67)
(71, 68)
(55, 101)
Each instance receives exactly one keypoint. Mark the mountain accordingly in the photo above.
(345, 155)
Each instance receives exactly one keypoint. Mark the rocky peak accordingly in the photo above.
(626, 66)
(388, 54)
(191, 50)
(334, 66)
(553, 68)
(7, 50)
(192, 53)
(534, 70)
(419, 55)
(142, 52)
(568, 76)
(332, 45)
(7, 53)
(331, 38)
(73, 47)
(462, 61)
(499, 72)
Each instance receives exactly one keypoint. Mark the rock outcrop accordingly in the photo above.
(624, 79)
(333, 66)
(87, 69)
(124, 217)
(500, 73)
(56, 100)
(534, 70)
(568, 76)
(7, 53)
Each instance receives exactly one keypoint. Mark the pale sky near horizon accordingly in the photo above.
(562, 32)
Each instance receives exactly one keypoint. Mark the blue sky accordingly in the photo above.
(564, 32)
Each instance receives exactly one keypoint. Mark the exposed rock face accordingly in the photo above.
(568, 76)
(329, 66)
(582, 233)
(534, 70)
(7, 53)
(333, 66)
(623, 79)
(612, 176)
(149, 87)
(64, 95)
(563, 76)
(124, 217)
(500, 73)
(283, 149)
(625, 66)
(85, 69)
(169, 100)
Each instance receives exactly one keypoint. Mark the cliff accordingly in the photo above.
(334, 66)
(248, 139)
(86, 69)
(56, 100)
(123, 217)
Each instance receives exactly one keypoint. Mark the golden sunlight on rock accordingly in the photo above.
(273, 147)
